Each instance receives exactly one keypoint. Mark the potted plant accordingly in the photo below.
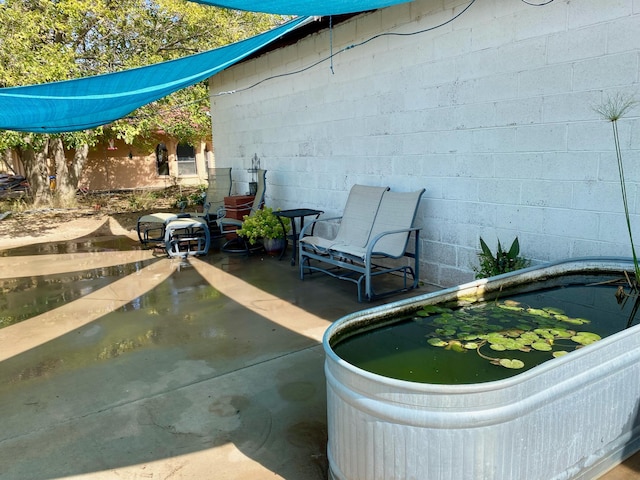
(196, 199)
(265, 226)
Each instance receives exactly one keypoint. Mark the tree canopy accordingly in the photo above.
(52, 40)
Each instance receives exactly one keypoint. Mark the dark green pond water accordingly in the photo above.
(491, 340)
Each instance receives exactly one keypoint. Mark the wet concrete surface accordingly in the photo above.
(163, 368)
(209, 368)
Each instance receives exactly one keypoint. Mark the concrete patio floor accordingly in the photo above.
(210, 368)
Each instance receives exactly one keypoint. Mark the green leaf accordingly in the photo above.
(437, 342)
(541, 346)
(512, 363)
(515, 249)
(585, 338)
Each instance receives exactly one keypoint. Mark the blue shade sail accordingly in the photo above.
(303, 7)
(93, 101)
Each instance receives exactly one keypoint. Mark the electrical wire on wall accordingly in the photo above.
(333, 54)
(349, 47)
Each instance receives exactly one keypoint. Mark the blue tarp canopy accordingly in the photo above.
(93, 101)
(303, 7)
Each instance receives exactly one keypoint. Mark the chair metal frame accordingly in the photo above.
(389, 231)
(228, 225)
(152, 227)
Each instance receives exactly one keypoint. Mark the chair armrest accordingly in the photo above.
(372, 243)
(310, 225)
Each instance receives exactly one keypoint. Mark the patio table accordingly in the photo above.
(292, 214)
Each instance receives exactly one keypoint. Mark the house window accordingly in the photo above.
(162, 159)
(186, 160)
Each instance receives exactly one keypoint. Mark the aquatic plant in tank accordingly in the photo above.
(506, 326)
(476, 340)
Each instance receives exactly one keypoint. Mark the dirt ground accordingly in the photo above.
(96, 214)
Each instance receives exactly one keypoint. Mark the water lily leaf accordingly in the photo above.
(544, 333)
(456, 346)
(514, 308)
(497, 347)
(511, 303)
(497, 340)
(559, 353)
(554, 310)
(541, 346)
(468, 337)
(539, 312)
(585, 338)
(512, 363)
(529, 337)
(446, 332)
(511, 344)
(573, 321)
(436, 342)
(562, 333)
(470, 345)
(515, 333)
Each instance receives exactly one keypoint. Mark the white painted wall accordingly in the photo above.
(491, 113)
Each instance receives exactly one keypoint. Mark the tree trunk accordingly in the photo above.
(37, 173)
(65, 191)
(77, 165)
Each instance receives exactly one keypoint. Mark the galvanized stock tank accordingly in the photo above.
(573, 417)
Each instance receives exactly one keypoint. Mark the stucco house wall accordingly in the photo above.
(125, 166)
(492, 113)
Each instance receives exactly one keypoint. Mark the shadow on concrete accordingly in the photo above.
(102, 239)
(216, 372)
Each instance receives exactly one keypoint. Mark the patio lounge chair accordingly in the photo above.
(152, 227)
(372, 228)
(187, 236)
(229, 226)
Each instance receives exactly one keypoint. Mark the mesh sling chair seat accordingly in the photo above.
(385, 237)
(152, 227)
(229, 226)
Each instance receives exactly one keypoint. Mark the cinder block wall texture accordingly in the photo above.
(491, 112)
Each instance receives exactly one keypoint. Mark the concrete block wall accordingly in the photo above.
(492, 113)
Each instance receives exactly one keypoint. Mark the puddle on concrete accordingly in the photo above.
(109, 244)
(178, 332)
(25, 297)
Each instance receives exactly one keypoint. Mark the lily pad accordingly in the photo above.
(585, 338)
(559, 353)
(554, 310)
(511, 307)
(541, 346)
(573, 321)
(455, 345)
(539, 312)
(436, 342)
(512, 363)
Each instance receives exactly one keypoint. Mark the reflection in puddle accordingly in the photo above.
(176, 313)
(110, 244)
(25, 297)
